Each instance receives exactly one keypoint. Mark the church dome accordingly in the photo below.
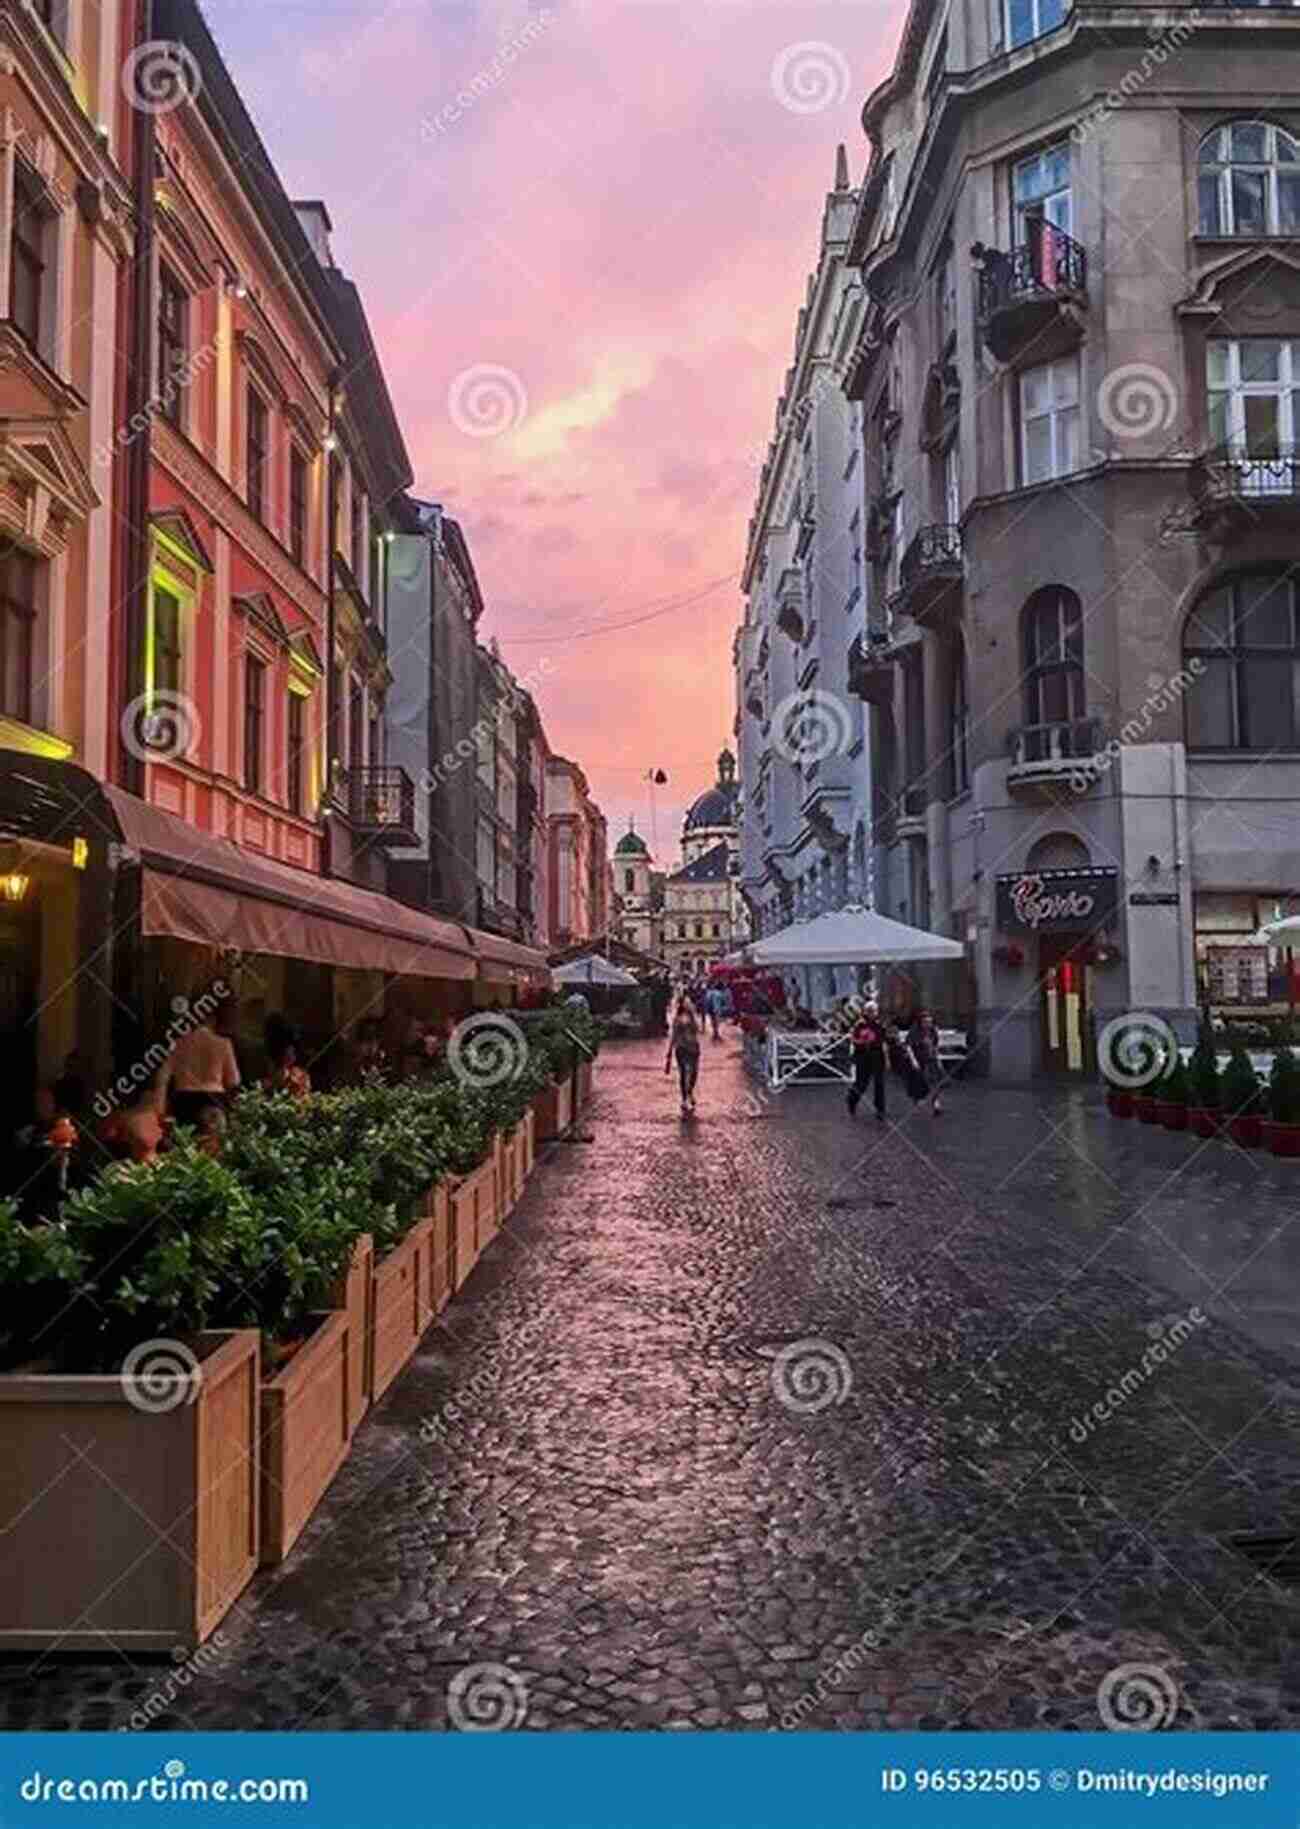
(631, 845)
(717, 806)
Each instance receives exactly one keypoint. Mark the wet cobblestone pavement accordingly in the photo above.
(778, 1419)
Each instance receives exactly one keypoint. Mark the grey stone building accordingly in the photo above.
(1078, 367)
(434, 605)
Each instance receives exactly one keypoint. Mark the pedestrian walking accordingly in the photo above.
(868, 1042)
(201, 1069)
(717, 1005)
(684, 1044)
(923, 1038)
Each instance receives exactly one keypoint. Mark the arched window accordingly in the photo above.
(1249, 180)
(1054, 657)
(1241, 644)
(959, 720)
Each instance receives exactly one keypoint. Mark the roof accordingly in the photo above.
(366, 387)
(631, 843)
(715, 807)
(712, 866)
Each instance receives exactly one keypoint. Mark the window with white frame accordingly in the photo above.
(1248, 182)
(1253, 390)
(1049, 420)
(1040, 192)
(1029, 19)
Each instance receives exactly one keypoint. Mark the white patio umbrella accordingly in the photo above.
(853, 936)
(1281, 933)
(593, 970)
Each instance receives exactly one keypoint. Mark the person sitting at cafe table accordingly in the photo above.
(137, 1129)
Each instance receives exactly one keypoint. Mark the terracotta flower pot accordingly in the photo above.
(1144, 1107)
(1282, 1139)
(1248, 1131)
(1203, 1119)
(1119, 1104)
(1171, 1114)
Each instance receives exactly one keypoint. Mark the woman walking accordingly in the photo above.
(923, 1038)
(684, 1042)
(868, 1042)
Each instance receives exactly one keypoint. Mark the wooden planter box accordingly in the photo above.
(1172, 1115)
(528, 1142)
(1144, 1107)
(353, 1294)
(440, 1258)
(586, 1078)
(397, 1309)
(554, 1111)
(1282, 1139)
(1247, 1131)
(122, 1527)
(473, 1203)
(306, 1431)
(1119, 1104)
(1203, 1120)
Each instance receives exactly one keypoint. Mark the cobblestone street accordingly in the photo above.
(775, 1419)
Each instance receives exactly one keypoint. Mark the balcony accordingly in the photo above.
(931, 576)
(1050, 755)
(381, 805)
(871, 668)
(1034, 294)
(1233, 491)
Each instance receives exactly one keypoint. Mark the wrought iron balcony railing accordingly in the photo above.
(1039, 750)
(1049, 262)
(1227, 474)
(381, 804)
(935, 550)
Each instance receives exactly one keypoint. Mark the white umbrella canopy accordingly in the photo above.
(592, 970)
(853, 936)
(1281, 933)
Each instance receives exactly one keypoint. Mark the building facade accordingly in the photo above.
(638, 893)
(801, 735)
(578, 866)
(497, 736)
(1079, 645)
(434, 605)
(532, 850)
(704, 916)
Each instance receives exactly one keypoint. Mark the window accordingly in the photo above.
(375, 741)
(1244, 637)
(255, 454)
(699, 930)
(1028, 19)
(717, 931)
(1249, 180)
(17, 630)
(297, 504)
(1049, 420)
(945, 299)
(173, 346)
(1254, 407)
(254, 721)
(1053, 657)
(296, 760)
(1040, 193)
(358, 527)
(681, 930)
(629, 881)
(28, 244)
(959, 724)
(356, 725)
(888, 202)
(165, 650)
(952, 485)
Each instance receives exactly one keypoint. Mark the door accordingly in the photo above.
(1063, 993)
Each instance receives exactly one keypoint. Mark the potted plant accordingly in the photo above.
(1203, 1087)
(1282, 1128)
(1241, 1099)
(1171, 1097)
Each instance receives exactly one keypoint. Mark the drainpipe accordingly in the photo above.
(135, 578)
(331, 707)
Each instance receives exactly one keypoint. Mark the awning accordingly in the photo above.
(502, 961)
(593, 970)
(853, 936)
(1283, 932)
(207, 890)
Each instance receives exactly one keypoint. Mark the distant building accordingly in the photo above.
(704, 918)
(579, 875)
(497, 739)
(639, 889)
(532, 847)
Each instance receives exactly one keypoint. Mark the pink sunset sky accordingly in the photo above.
(596, 257)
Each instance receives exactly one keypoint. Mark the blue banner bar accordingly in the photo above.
(650, 1781)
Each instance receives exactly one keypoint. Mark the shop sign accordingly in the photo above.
(1153, 898)
(1057, 901)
